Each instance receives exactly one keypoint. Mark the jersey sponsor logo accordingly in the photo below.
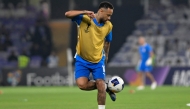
(87, 28)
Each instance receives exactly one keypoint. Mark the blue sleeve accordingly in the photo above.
(109, 37)
(149, 48)
(77, 19)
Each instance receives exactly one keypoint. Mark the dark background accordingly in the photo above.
(123, 21)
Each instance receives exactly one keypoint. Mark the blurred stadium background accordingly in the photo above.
(36, 37)
(37, 45)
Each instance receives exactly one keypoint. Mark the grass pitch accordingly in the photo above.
(165, 97)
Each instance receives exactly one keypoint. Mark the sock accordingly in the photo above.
(101, 106)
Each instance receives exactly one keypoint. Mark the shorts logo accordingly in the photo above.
(115, 82)
(103, 67)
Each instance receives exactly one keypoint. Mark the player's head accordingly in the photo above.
(141, 40)
(105, 11)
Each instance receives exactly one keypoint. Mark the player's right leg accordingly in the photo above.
(82, 77)
(141, 76)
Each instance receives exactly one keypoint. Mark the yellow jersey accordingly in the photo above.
(91, 37)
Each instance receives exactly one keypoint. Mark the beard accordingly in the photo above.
(102, 21)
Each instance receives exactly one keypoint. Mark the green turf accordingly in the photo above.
(72, 98)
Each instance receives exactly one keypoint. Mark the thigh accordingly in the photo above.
(81, 70)
(99, 73)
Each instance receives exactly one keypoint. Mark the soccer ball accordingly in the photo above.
(116, 84)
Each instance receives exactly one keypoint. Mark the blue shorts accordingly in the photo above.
(83, 68)
(142, 67)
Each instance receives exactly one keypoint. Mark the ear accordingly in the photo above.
(101, 10)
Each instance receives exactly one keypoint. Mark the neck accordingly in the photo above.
(97, 18)
(144, 44)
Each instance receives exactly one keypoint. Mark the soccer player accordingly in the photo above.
(94, 37)
(145, 64)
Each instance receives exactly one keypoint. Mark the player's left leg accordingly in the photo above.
(101, 97)
(141, 85)
(140, 69)
(99, 75)
(151, 77)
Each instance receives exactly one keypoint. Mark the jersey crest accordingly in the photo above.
(87, 28)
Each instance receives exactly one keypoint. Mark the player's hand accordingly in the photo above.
(90, 14)
(149, 62)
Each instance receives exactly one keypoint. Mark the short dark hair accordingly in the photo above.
(106, 5)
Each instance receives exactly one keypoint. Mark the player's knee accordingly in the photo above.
(100, 85)
(82, 86)
(82, 83)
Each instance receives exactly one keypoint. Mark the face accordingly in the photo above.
(141, 41)
(105, 14)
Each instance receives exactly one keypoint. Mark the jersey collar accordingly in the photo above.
(96, 22)
(144, 44)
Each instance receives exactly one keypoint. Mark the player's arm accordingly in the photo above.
(151, 54)
(107, 43)
(72, 13)
(150, 59)
(106, 49)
